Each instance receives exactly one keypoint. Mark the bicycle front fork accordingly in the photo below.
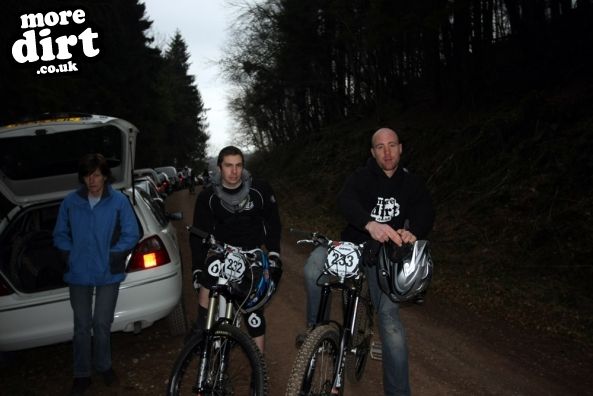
(349, 321)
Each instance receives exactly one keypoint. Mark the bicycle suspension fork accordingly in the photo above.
(349, 320)
(218, 309)
(225, 311)
(323, 311)
(205, 351)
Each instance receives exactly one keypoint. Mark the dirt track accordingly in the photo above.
(451, 352)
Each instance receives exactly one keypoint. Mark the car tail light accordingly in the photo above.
(150, 253)
(5, 289)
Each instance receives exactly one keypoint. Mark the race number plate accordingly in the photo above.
(342, 259)
(234, 266)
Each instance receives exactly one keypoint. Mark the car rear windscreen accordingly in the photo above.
(51, 154)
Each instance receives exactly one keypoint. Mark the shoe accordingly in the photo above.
(80, 385)
(109, 377)
(301, 337)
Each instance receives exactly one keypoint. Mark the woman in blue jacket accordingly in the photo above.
(96, 229)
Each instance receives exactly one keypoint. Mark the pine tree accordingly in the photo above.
(186, 129)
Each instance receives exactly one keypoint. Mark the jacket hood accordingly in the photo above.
(373, 167)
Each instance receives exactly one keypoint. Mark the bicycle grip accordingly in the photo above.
(196, 231)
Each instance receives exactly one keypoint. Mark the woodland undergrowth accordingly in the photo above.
(512, 187)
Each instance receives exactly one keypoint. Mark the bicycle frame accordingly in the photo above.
(221, 342)
(349, 308)
(335, 350)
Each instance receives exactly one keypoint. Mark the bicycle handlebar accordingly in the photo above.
(214, 244)
(299, 232)
(197, 232)
(220, 246)
(315, 238)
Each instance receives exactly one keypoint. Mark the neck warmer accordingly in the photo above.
(233, 200)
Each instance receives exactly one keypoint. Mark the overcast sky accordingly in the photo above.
(203, 25)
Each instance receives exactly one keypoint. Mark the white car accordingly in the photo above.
(38, 167)
(145, 183)
(150, 173)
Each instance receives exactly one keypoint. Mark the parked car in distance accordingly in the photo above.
(171, 173)
(166, 185)
(148, 172)
(145, 183)
(38, 168)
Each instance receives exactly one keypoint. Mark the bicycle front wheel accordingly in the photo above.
(315, 366)
(235, 366)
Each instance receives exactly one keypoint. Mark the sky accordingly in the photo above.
(204, 26)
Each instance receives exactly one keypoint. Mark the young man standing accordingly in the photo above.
(239, 211)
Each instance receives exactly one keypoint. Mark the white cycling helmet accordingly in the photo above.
(404, 273)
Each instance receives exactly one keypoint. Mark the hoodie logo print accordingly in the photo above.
(249, 204)
(385, 210)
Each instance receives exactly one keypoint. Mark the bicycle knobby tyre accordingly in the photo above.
(315, 364)
(246, 373)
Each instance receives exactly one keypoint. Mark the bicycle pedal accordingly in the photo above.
(376, 351)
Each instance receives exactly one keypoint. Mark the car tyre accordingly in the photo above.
(176, 320)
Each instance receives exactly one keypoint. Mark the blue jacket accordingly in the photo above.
(96, 241)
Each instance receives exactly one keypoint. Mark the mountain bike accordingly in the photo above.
(333, 350)
(222, 359)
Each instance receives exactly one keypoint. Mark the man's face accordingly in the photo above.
(231, 170)
(386, 150)
(95, 182)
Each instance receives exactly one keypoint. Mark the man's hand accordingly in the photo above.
(406, 236)
(383, 232)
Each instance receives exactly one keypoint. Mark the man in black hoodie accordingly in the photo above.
(242, 212)
(381, 201)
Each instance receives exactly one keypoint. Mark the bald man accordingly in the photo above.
(381, 202)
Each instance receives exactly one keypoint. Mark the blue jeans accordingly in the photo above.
(98, 320)
(391, 330)
(314, 268)
(396, 380)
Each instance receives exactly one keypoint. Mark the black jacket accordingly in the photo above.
(368, 194)
(258, 224)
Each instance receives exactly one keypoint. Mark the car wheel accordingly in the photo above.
(176, 320)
